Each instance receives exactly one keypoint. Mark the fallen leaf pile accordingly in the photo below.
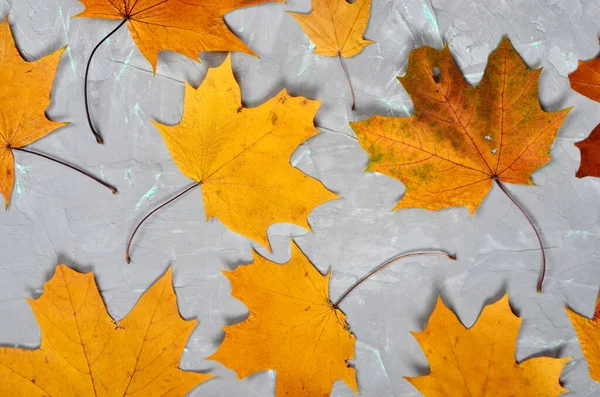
(85, 353)
(460, 140)
(480, 361)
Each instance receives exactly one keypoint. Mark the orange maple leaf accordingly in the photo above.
(241, 156)
(586, 81)
(462, 138)
(480, 361)
(24, 97)
(84, 353)
(184, 26)
(292, 328)
(588, 332)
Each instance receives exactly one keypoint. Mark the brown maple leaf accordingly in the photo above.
(586, 81)
(461, 138)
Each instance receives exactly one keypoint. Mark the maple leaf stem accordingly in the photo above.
(387, 263)
(537, 234)
(127, 256)
(85, 83)
(347, 79)
(100, 181)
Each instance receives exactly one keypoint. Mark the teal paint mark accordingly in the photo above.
(125, 65)
(129, 177)
(136, 110)
(430, 17)
(377, 355)
(19, 190)
(379, 56)
(241, 30)
(126, 120)
(66, 31)
(388, 105)
(579, 233)
(310, 49)
(22, 169)
(149, 193)
(536, 44)
(146, 197)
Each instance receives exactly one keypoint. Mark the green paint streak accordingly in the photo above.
(19, 190)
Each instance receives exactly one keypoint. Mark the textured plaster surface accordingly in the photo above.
(58, 217)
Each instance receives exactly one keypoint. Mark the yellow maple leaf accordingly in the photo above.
(84, 353)
(24, 97)
(480, 361)
(462, 138)
(184, 26)
(336, 26)
(292, 328)
(240, 156)
(588, 332)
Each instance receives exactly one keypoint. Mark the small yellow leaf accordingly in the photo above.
(480, 361)
(337, 26)
(84, 353)
(241, 156)
(292, 328)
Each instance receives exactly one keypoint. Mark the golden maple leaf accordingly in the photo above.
(336, 26)
(84, 353)
(24, 97)
(586, 81)
(184, 26)
(480, 361)
(240, 155)
(460, 138)
(588, 332)
(292, 328)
